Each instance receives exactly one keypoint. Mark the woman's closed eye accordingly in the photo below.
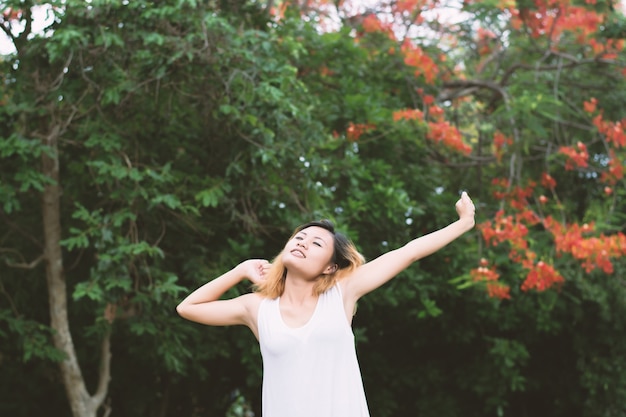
(316, 243)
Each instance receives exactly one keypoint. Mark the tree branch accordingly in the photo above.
(20, 40)
(465, 87)
(4, 292)
(23, 265)
(19, 230)
(105, 371)
(574, 63)
(7, 30)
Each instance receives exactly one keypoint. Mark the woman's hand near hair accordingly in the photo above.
(204, 304)
(255, 270)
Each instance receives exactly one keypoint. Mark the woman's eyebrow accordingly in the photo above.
(314, 237)
(320, 238)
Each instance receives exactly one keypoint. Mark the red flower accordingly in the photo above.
(590, 106)
(547, 181)
(498, 290)
(541, 277)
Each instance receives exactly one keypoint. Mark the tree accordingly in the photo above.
(520, 84)
(71, 101)
(171, 141)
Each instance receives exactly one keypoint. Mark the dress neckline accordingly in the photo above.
(306, 324)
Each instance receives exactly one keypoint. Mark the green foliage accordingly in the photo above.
(32, 337)
(193, 135)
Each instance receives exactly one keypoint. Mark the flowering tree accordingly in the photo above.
(517, 90)
(521, 104)
(170, 141)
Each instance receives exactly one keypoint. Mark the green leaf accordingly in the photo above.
(210, 197)
(89, 289)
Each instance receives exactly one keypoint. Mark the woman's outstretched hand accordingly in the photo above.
(255, 270)
(465, 209)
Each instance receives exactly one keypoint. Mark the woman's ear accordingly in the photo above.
(331, 269)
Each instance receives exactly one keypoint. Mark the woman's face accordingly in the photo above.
(310, 252)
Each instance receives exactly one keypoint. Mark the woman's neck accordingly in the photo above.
(299, 290)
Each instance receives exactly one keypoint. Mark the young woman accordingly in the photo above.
(301, 313)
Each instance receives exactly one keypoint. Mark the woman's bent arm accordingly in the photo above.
(204, 306)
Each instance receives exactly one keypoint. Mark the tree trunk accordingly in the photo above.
(81, 403)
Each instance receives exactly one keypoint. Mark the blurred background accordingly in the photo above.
(146, 147)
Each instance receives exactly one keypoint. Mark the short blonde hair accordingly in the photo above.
(345, 256)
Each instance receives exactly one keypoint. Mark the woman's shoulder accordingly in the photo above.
(344, 286)
(253, 298)
(252, 303)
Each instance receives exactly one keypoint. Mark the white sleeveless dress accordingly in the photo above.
(310, 371)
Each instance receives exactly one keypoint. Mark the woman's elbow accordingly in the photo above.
(182, 310)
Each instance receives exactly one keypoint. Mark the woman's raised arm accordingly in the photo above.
(380, 270)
